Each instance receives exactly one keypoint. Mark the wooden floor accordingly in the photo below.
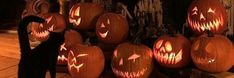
(9, 57)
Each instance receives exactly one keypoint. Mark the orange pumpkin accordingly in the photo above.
(54, 23)
(112, 28)
(85, 61)
(207, 15)
(85, 15)
(172, 51)
(132, 61)
(212, 53)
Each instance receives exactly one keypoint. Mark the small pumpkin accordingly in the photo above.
(212, 53)
(112, 28)
(85, 61)
(54, 23)
(172, 51)
(207, 15)
(85, 15)
(132, 61)
(71, 39)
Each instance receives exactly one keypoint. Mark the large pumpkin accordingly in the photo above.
(54, 23)
(212, 53)
(85, 61)
(132, 61)
(112, 28)
(207, 15)
(84, 15)
(71, 39)
(35, 7)
(172, 51)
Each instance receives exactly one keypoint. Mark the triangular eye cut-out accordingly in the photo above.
(77, 11)
(211, 10)
(159, 44)
(108, 21)
(168, 46)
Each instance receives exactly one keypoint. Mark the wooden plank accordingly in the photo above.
(6, 62)
(10, 72)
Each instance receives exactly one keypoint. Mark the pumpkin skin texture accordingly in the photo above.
(212, 54)
(54, 23)
(207, 15)
(172, 51)
(85, 15)
(71, 39)
(135, 60)
(112, 28)
(85, 61)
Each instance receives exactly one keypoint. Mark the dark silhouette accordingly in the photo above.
(34, 63)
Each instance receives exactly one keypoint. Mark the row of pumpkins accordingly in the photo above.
(209, 52)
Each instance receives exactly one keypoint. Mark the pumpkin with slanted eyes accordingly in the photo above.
(85, 15)
(112, 28)
(132, 61)
(207, 15)
(212, 53)
(172, 51)
(54, 23)
(72, 38)
(85, 61)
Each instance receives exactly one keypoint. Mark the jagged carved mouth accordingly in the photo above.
(77, 67)
(127, 74)
(62, 58)
(204, 60)
(210, 25)
(168, 57)
(43, 33)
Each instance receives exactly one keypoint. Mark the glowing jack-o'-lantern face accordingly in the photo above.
(172, 52)
(83, 60)
(84, 15)
(62, 57)
(112, 28)
(207, 15)
(211, 53)
(54, 23)
(132, 61)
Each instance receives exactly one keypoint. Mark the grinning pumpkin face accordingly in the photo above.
(84, 15)
(35, 7)
(84, 60)
(172, 52)
(54, 23)
(132, 61)
(112, 28)
(62, 57)
(207, 15)
(211, 54)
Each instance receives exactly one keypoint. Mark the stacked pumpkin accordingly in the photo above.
(210, 52)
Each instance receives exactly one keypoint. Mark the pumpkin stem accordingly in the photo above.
(210, 34)
(87, 42)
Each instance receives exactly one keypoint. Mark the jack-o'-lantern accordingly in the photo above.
(212, 53)
(207, 15)
(132, 61)
(54, 23)
(112, 28)
(35, 7)
(172, 51)
(71, 39)
(84, 15)
(85, 61)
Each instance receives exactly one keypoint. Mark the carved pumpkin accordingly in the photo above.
(212, 53)
(207, 15)
(84, 15)
(112, 28)
(172, 51)
(71, 38)
(85, 61)
(35, 7)
(132, 61)
(54, 23)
